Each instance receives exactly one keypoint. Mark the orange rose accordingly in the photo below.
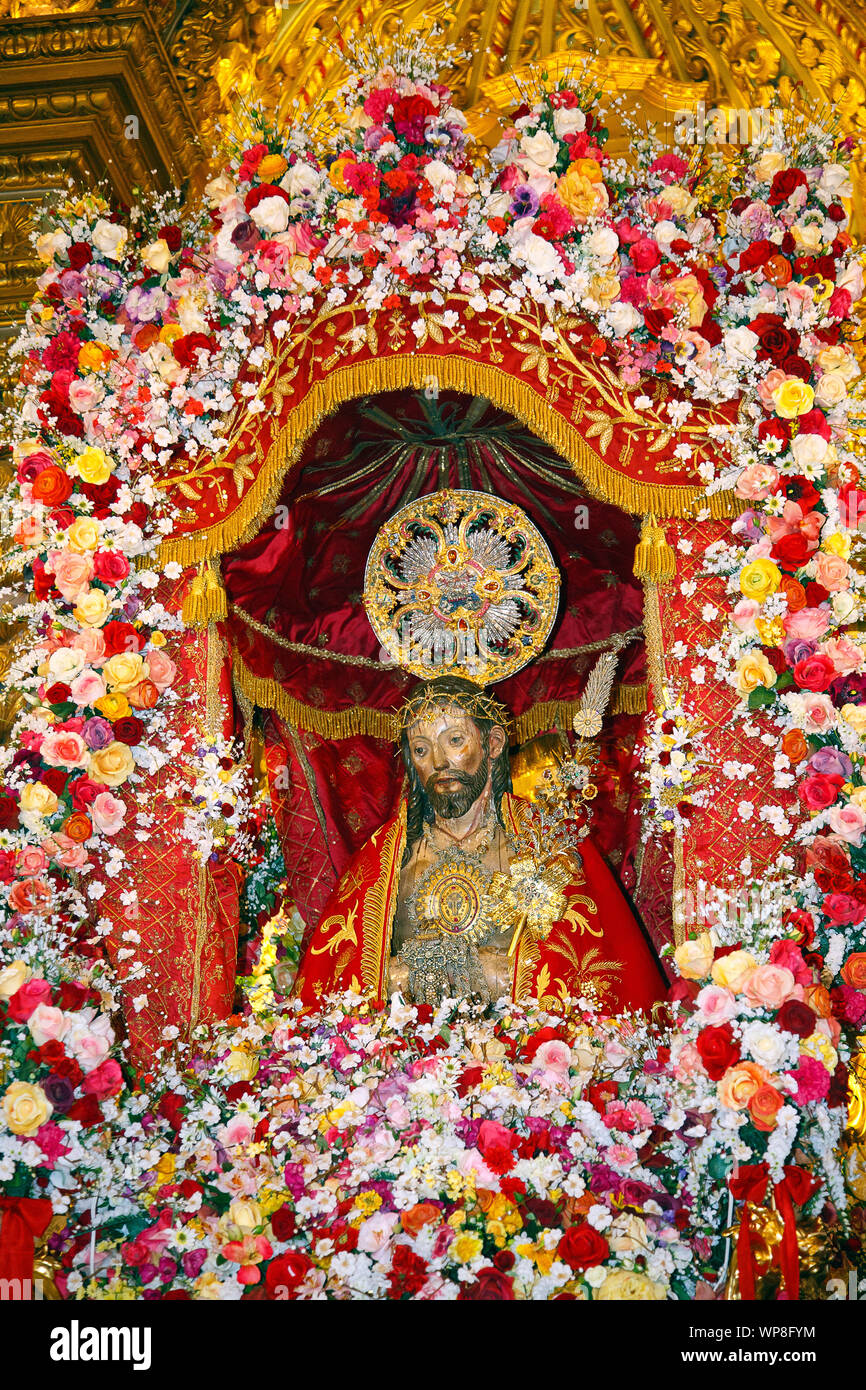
(143, 696)
(78, 827)
(764, 1106)
(818, 998)
(30, 895)
(854, 971)
(794, 746)
(794, 593)
(740, 1083)
(778, 271)
(422, 1214)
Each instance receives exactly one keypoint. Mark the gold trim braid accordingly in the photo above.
(455, 373)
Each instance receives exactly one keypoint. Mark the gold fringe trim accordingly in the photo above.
(653, 557)
(205, 601)
(453, 373)
(378, 723)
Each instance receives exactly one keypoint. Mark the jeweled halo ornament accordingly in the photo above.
(461, 583)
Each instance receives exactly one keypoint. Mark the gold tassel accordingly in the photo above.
(653, 557)
(205, 600)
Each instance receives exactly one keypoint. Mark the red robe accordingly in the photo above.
(597, 943)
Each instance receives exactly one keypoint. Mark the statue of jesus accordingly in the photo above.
(423, 906)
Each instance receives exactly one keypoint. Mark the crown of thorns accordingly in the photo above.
(425, 704)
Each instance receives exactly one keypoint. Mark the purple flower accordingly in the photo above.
(192, 1261)
(59, 1090)
(97, 733)
(831, 762)
(246, 235)
(524, 201)
(167, 1269)
(293, 1176)
(849, 690)
(797, 649)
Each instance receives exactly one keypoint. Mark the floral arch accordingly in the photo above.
(682, 332)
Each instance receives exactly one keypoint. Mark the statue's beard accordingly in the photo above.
(452, 805)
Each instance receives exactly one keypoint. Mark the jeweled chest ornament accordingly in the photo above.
(461, 583)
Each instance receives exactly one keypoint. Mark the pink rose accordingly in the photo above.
(85, 395)
(72, 856)
(161, 668)
(766, 388)
(104, 1081)
(87, 688)
(769, 986)
(845, 655)
(64, 749)
(238, 1130)
(745, 613)
(819, 712)
(849, 821)
(791, 957)
(46, 1024)
(31, 860)
(88, 1049)
(832, 571)
(687, 1062)
(71, 572)
(375, 1233)
(302, 240)
(808, 623)
(554, 1055)
(92, 643)
(715, 1005)
(757, 482)
(107, 813)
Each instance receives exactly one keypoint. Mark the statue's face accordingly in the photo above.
(448, 753)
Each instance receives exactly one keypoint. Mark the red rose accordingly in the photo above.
(802, 923)
(757, 254)
(784, 184)
(80, 254)
(843, 909)
(121, 637)
(186, 349)
(408, 1273)
(582, 1246)
(86, 1111)
(776, 341)
(84, 792)
(171, 235)
(538, 1040)
(110, 566)
(128, 730)
(820, 790)
(815, 672)
(815, 422)
(22, 1003)
(792, 552)
(283, 1223)
(8, 813)
(796, 1017)
(496, 1145)
(104, 1081)
(171, 1108)
(261, 191)
(719, 1050)
(644, 254)
(286, 1272)
(71, 996)
(52, 486)
(469, 1077)
(490, 1286)
(775, 429)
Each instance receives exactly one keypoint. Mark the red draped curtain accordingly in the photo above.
(302, 645)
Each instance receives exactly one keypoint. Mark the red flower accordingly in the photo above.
(408, 1273)
(22, 1003)
(757, 254)
(802, 923)
(796, 1017)
(128, 730)
(110, 566)
(719, 1050)
(84, 792)
(469, 1077)
(792, 552)
(283, 1223)
(644, 254)
(52, 486)
(491, 1286)
(104, 1081)
(786, 182)
(582, 1246)
(86, 1111)
(820, 790)
(171, 1108)
(121, 637)
(815, 672)
(186, 349)
(843, 909)
(776, 341)
(8, 813)
(496, 1145)
(286, 1272)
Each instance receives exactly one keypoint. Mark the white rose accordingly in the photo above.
(439, 175)
(535, 253)
(740, 345)
(568, 122)
(157, 255)
(50, 243)
(497, 205)
(831, 390)
(189, 314)
(766, 1044)
(46, 1024)
(835, 182)
(603, 244)
(271, 214)
(300, 181)
(665, 232)
(109, 238)
(539, 149)
(844, 606)
(808, 449)
(622, 318)
(66, 663)
(851, 280)
(679, 200)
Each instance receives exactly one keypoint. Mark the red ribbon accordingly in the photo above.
(22, 1219)
(749, 1187)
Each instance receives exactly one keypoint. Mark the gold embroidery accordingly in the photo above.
(577, 919)
(380, 905)
(345, 932)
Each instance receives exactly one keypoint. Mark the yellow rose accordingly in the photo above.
(246, 1215)
(272, 167)
(111, 765)
(157, 256)
(759, 578)
(855, 715)
(92, 356)
(581, 193)
(793, 397)
(124, 670)
(92, 608)
(837, 544)
(753, 670)
(94, 467)
(838, 358)
(25, 1108)
(157, 638)
(604, 289)
(242, 1065)
(12, 977)
(732, 971)
(83, 534)
(629, 1284)
(679, 200)
(694, 958)
(113, 707)
(299, 266)
(769, 164)
(35, 796)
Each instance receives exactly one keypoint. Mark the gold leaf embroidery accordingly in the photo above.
(345, 932)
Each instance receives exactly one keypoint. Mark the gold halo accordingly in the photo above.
(460, 583)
